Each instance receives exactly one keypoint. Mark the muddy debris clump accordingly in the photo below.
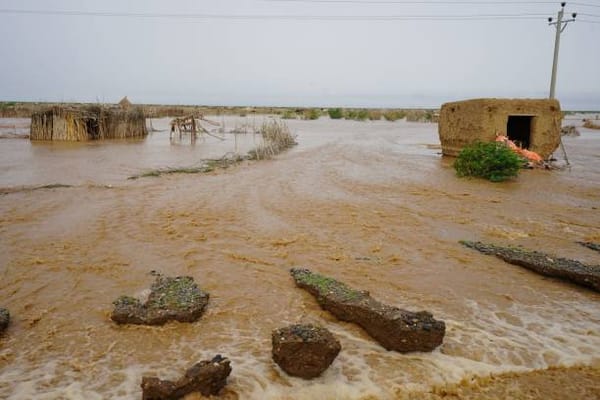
(207, 377)
(591, 245)
(394, 328)
(555, 267)
(4, 319)
(305, 351)
(171, 299)
(569, 130)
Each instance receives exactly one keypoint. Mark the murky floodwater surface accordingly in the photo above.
(370, 203)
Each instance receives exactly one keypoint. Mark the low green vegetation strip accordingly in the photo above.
(32, 188)
(548, 265)
(205, 167)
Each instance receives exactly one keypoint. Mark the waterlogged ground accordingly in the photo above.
(370, 203)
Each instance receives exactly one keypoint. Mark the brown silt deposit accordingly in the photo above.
(372, 204)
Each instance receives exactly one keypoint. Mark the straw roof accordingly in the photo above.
(125, 103)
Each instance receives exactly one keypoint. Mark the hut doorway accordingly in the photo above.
(518, 129)
(93, 128)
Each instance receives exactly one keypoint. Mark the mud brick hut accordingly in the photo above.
(534, 124)
(88, 123)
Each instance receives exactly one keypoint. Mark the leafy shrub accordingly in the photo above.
(288, 114)
(335, 113)
(394, 115)
(362, 115)
(491, 160)
(312, 113)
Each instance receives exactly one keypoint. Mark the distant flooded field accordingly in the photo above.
(372, 204)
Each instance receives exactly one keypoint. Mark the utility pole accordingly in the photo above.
(560, 26)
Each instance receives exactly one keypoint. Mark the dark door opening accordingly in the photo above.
(93, 130)
(518, 129)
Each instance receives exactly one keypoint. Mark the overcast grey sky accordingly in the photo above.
(213, 58)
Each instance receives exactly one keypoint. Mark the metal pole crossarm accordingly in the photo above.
(560, 26)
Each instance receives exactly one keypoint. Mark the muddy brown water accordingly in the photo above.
(370, 203)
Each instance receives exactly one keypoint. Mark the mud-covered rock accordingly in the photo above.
(177, 299)
(591, 245)
(556, 267)
(206, 377)
(4, 319)
(305, 351)
(394, 328)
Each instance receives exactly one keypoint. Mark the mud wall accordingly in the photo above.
(465, 122)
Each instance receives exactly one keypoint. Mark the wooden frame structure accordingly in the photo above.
(191, 125)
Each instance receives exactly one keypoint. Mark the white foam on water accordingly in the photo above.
(516, 338)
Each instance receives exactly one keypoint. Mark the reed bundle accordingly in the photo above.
(88, 123)
(276, 138)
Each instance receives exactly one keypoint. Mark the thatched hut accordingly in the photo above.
(87, 123)
(125, 104)
(534, 124)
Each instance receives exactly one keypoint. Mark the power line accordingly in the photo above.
(589, 15)
(422, 2)
(423, 17)
(432, 3)
(586, 5)
(588, 21)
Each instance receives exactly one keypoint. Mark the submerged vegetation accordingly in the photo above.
(276, 138)
(205, 167)
(493, 161)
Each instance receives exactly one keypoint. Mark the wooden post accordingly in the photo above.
(193, 133)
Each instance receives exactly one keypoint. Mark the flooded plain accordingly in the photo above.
(370, 203)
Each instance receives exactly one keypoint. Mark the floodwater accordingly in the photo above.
(370, 203)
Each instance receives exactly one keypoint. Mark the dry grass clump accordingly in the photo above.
(419, 116)
(276, 138)
(375, 115)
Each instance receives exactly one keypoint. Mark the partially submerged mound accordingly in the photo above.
(304, 350)
(177, 299)
(544, 264)
(394, 328)
(569, 130)
(207, 377)
(4, 319)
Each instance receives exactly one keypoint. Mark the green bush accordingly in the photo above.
(312, 113)
(394, 115)
(289, 114)
(362, 115)
(491, 160)
(335, 113)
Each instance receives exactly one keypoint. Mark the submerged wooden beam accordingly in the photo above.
(556, 267)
